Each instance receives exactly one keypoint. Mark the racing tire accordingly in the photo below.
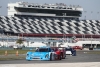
(28, 60)
(60, 58)
(64, 57)
(51, 57)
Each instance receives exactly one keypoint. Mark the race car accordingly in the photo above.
(77, 47)
(63, 52)
(42, 53)
(60, 52)
(70, 51)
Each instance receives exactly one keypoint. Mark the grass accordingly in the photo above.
(94, 52)
(11, 54)
(90, 51)
(2, 52)
(12, 58)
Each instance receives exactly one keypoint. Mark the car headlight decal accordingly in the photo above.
(47, 56)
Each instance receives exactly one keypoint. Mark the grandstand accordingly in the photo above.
(47, 20)
(51, 27)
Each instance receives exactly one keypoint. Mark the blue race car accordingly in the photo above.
(70, 51)
(42, 53)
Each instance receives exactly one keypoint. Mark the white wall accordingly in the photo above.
(36, 44)
(79, 43)
(11, 10)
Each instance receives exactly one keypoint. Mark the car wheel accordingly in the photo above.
(28, 60)
(64, 57)
(60, 57)
(51, 57)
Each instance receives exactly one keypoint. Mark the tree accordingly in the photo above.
(19, 41)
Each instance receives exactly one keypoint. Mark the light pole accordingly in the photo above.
(22, 36)
(97, 15)
(0, 11)
(91, 14)
(91, 41)
(7, 39)
(85, 14)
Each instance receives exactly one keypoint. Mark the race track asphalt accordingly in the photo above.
(82, 56)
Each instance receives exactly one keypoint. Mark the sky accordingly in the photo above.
(91, 7)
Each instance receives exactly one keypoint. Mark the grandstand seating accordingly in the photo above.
(42, 25)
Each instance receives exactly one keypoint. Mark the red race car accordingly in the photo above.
(77, 47)
(60, 52)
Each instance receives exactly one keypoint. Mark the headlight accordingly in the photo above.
(47, 56)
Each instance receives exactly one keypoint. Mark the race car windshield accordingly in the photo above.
(68, 49)
(43, 50)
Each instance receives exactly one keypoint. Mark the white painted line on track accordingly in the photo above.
(85, 64)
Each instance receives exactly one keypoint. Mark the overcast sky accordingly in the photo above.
(88, 6)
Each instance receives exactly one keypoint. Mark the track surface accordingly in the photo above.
(82, 56)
